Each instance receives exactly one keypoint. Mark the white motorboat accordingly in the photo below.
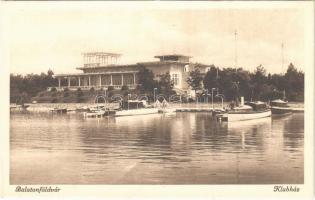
(253, 110)
(94, 114)
(140, 111)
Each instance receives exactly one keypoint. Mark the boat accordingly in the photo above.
(140, 111)
(280, 107)
(94, 114)
(218, 111)
(21, 107)
(164, 107)
(249, 111)
(135, 107)
(59, 110)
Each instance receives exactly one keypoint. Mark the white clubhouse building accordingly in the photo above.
(101, 70)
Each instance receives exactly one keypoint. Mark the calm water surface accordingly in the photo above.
(179, 148)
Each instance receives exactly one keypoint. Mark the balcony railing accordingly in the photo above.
(96, 87)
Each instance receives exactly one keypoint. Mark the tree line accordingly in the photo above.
(231, 82)
(236, 82)
(23, 88)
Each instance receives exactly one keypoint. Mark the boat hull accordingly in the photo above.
(242, 116)
(280, 110)
(144, 111)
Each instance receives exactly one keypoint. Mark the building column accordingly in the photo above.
(134, 78)
(111, 79)
(59, 82)
(79, 79)
(100, 80)
(122, 79)
(89, 81)
(69, 82)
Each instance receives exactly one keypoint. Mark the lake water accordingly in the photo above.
(179, 148)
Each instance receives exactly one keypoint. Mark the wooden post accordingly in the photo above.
(89, 81)
(59, 82)
(100, 80)
(111, 79)
(134, 78)
(122, 79)
(79, 81)
(69, 81)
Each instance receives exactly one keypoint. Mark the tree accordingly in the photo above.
(294, 86)
(195, 79)
(259, 80)
(30, 84)
(236, 91)
(211, 78)
(146, 79)
(165, 84)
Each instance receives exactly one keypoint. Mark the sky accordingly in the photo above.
(45, 36)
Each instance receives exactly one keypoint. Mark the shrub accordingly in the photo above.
(124, 88)
(66, 94)
(92, 89)
(110, 93)
(125, 93)
(110, 88)
(80, 99)
(54, 100)
(79, 92)
(53, 89)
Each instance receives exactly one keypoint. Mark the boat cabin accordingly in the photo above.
(257, 105)
(279, 103)
(133, 104)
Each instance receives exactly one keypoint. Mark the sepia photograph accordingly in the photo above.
(157, 94)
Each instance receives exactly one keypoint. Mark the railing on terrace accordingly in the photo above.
(96, 87)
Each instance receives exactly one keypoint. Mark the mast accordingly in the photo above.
(235, 48)
(282, 57)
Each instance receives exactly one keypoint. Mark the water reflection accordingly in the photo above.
(179, 148)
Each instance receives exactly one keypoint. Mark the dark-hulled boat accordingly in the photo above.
(280, 107)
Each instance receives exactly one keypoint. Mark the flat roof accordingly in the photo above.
(107, 66)
(162, 62)
(172, 55)
(97, 73)
(101, 54)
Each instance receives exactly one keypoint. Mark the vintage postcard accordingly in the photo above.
(157, 99)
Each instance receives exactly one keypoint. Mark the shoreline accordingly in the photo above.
(47, 107)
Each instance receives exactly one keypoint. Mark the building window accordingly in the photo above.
(128, 79)
(176, 79)
(186, 68)
(117, 79)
